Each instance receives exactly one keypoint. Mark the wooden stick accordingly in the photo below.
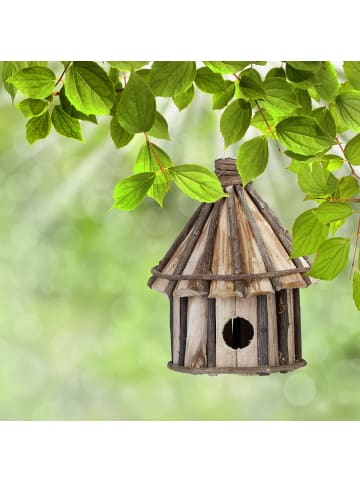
(258, 238)
(262, 331)
(235, 242)
(283, 326)
(183, 329)
(204, 264)
(297, 323)
(193, 237)
(172, 326)
(276, 226)
(180, 238)
(211, 333)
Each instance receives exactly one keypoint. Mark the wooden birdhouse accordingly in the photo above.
(233, 289)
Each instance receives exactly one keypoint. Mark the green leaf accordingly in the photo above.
(66, 125)
(304, 101)
(331, 258)
(89, 89)
(235, 121)
(130, 192)
(258, 121)
(302, 78)
(325, 121)
(126, 65)
(251, 86)
(315, 181)
(119, 135)
(276, 72)
(352, 72)
(348, 109)
(136, 109)
(160, 128)
(280, 97)
(356, 289)
(183, 100)
(172, 78)
(70, 109)
(352, 150)
(252, 158)
(38, 128)
(308, 233)
(32, 107)
(224, 67)
(208, 81)
(8, 70)
(197, 182)
(312, 66)
(303, 135)
(332, 162)
(35, 82)
(329, 212)
(148, 160)
(327, 84)
(347, 188)
(221, 99)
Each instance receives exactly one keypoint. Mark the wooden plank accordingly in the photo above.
(172, 326)
(188, 287)
(278, 256)
(247, 309)
(251, 258)
(221, 263)
(235, 241)
(225, 310)
(291, 334)
(183, 330)
(190, 243)
(197, 315)
(180, 238)
(273, 333)
(263, 332)
(283, 326)
(176, 330)
(297, 325)
(211, 333)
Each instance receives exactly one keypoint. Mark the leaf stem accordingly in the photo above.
(63, 73)
(355, 249)
(161, 167)
(351, 167)
(267, 124)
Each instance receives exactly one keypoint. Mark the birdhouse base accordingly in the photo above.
(238, 370)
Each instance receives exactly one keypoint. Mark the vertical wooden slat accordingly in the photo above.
(247, 309)
(291, 335)
(225, 310)
(183, 330)
(211, 333)
(235, 241)
(263, 333)
(197, 314)
(176, 330)
(172, 327)
(283, 326)
(297, 324)
(273, 332)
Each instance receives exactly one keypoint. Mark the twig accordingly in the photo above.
(63, 73)
(267, 124)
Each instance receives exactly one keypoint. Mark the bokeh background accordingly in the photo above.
(81, 335)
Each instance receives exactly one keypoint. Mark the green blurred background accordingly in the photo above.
(81, 335)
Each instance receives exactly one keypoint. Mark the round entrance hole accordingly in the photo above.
(238, 333)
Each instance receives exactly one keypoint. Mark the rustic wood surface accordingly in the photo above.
(297, 324)
(197, 319)
(238, 370)
(247, 309)
(236, 255)
(211, 333)
(225, 310)
(291, 334)
(273, 333)
(283, 326)
(176, 330)
(183, 329)
(263, 330)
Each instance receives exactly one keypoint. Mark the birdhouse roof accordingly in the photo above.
(235, 246)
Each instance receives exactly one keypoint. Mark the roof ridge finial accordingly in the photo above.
(226, 171)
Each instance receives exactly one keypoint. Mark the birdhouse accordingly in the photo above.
(233, 289)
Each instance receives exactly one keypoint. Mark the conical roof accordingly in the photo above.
(235, 246)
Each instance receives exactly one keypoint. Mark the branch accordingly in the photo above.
(63, 73)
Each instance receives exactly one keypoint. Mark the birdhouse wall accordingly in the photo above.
(199, 324)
